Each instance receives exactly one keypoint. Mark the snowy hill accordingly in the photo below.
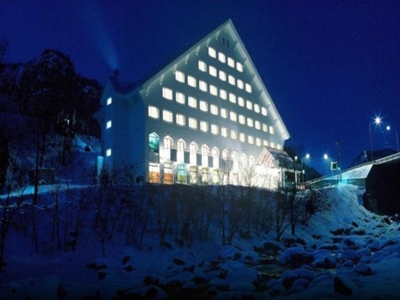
(65, 249)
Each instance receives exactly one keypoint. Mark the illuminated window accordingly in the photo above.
(153, 112)
(272, 145)
(204, 155)
(235, 160)
(109, 101)
(265, 143)
(234, 135)
(224, 113)
(240, 101)
(215, 154)
(204, 126)
(222, 75)
(224, 131)
(243, 160)
(279, 146)
(212, 52)
(221, 57)
(223, 94)
(250, 122)
(180, 155)
(214, 129)
(180, 119)
(239, 67)
(214, 109)
(213, 90)
(231, 80)
(271, 130)
(203, 105)
(265, 127)
(192, 81)
(232, 98)
(233, 116)
(258, 141)
(109, 124)
(231, 62)
(180, 98)
(167, 93)
(167, 116)
(168, 142)
(242, 119)
(202, 66)
(203, 86)
(193, 153)
(250, 139)
(263, 111)
(257, 125)
(256, 108)
(240, 84)
(248, 88)
(108, 152)
(192, 123)
(192, 102)
(225, 154)
(181, 145)
(179, 76)
(242, 137)
(212, 71)
(251, 160)
(249, 104)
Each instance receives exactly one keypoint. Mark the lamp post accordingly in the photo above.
(326, 157)
(302, 176)
(375, 121)
(388, 128)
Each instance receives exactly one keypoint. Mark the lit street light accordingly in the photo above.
(375, 121)
(388, 128)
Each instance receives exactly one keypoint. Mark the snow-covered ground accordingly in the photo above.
(346, 252)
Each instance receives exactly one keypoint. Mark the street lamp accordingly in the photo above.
(307, 156)
(388, 128)
(375, 121)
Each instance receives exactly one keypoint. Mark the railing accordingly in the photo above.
(378, 161)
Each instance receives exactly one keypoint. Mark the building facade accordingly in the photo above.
(206, 117)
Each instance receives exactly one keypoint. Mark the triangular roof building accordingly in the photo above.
(202, 116)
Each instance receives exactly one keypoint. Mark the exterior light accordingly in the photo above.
(377, 120)
(388, 128)
(326, 156)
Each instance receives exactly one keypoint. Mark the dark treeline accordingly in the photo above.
(102, 212)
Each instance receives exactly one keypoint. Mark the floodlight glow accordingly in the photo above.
(377, 120)
(326, 156)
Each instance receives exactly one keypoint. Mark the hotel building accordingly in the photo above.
(204, 118)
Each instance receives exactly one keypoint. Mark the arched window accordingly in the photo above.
(215, 154)
(204, 155)
(225, 154)
(154, 142)
(235, 159)
(168, 142)
(243, 160)
(193, 153)
(251, 160)
(180, 156)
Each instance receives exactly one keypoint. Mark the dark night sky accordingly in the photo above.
(329, 66)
